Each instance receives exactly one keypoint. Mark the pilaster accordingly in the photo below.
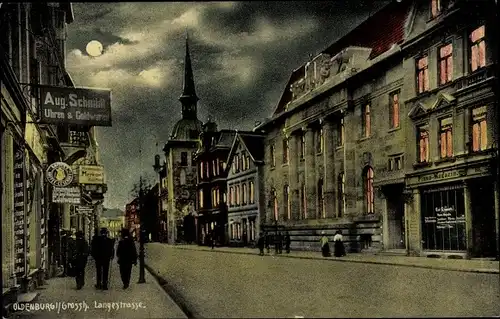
(293, 175)
(468, 220)
(310, 174)
(329, 167)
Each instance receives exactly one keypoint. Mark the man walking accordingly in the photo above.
(79, 260)
(127, 256)
(260, 244)
(287, 242)
(102, 252)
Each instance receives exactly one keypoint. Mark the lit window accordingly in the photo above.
(435, 8)
(422, 75)
(200, 198)
(231, 196)
(445, 64)
(367, 125)
(237, 162)
(214, 168)
(273, 158)
(423, 144)
(252, 193)
(286, 199)
(394, 111)
(478, 49)
(201, 170)
(237, 194)
(369, 191)
(446, 137)
(341, 194)
(275, 205)
(285, 151)
(479, 129)
(245, 194)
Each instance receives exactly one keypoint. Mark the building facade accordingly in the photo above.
(211, 161)
(180, 157)
(385, 134)
(245, 171)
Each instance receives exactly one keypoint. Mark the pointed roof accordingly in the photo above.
(188, 89)
(252, 142)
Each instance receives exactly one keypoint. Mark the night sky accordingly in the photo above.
(242, 53)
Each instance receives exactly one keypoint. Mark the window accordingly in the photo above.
(214, 198)
(184, 159)
(234, 165)
(423, 144)
(445, 64)
(340, 132)
(446, 137)
(286, 199)
(214, 168)
(231, 196)
(435, 8)
(285, 151)
(390, 165)
(478, 49)
(217, 166)
(273, 158)
(422, 75)
(341, 194)
(224, 197)
(252, 193)
(367, 125)
(237, 162)
(207, 169)
(245, 194)
(275, 205)
(232, 231)
(319, 141)
(479, 129)
(394, 110)
(302, 146)
(321, 199)
(237, 194)
(200, 198)
(247, 158)
(369, 191)
(398, 162)
(304, 201)
(193, 158)
(201, 170)
(243, 160)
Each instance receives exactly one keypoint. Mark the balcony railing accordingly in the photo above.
(476, 77)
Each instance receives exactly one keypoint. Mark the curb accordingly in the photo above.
(483, 271)
(174, 294)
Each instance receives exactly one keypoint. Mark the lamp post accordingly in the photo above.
(142, 278)
(157, 167)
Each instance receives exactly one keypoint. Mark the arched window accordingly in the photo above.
(341, 194)
(252, 193)
(183, 177)
(275, 205)
(369, 191)
(237, 194)
(321, 199)
(286, 199)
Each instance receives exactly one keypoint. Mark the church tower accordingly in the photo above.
(189, 99)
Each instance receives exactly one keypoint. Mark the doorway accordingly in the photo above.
(395, 216)
(483, 219)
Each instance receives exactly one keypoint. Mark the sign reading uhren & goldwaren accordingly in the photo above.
(78, 106)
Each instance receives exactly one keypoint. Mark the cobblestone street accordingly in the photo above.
(239, 285)
(155, 302)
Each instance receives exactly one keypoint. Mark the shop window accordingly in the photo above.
(252, 193)
(423, 144)
(184, 158)
(302, 146)
(275, 205)
(478, 49)
(341, 195)
(443, 219)
(340, 132)
(285, 151)
(422, 75)
(200, 198)
(367, 121)
(445, 64)
(319, 141)
(446, 137)
(321, 199)
(435, 8)
(303, 201)
(394, 110)
(286, 200)
(245, 194)
(272, 156)
(369, 190)
(479, 129)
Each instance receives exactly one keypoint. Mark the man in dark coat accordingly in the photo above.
(268, 242)
(79, 260)
(102, 252)
(287, 242)
(127, 256)
(70, 253)
(64, 252)
(261, 243)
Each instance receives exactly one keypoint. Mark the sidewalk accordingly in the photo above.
(478, 266)
(146, 300)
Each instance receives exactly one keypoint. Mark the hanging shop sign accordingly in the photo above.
(90, 174)
(60, 174)
(78, 106)
(66, 195)
(84, 209)
(19, 212)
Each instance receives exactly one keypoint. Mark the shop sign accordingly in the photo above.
(438, 176)
(66, 195)
(91, 174)
(75, 106)
(60, 174)
(82, 209)
(19, 212)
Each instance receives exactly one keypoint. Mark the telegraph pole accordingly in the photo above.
(142, 278)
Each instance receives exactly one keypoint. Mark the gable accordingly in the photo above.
(443, 100)
(418, 110)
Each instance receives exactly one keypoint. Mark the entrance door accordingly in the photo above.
(483, 219)
(395, 217)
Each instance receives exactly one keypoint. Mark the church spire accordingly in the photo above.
(188, 97)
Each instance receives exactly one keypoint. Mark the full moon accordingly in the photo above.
(94, 48)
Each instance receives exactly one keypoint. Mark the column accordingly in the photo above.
(468, 220)
(310, 174)
(329, 165)
(497, 217)
(293, 142)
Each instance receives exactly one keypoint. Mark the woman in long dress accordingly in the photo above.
(339, 249)
(325, 247)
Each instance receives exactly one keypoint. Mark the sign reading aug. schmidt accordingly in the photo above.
(79, 106)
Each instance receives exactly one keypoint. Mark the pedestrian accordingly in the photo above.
(102, 252)
(79, 260)
(280, 242)
(338, 244)
(325, 247)
(267, 239)
(287, 242)
(127, 256)
(212, 239)
(276, 243)
(70, 253)
(64, 252)
(261, 243)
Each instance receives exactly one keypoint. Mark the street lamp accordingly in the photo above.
(157, 167)
(142, 278)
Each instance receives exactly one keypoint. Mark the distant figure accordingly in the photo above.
(339, 249)
(102, 252)
(280, 242)
(287, 242)
(261, 243)
(212, 239)
(64, 252)
(267, 239)
(325, 247)
(79, 260)
(70, 253)
(245, 239)
(127, 256)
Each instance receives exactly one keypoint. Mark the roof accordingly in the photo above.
(226, 138)
(186, 129)
(379, 32)
(254, 144)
